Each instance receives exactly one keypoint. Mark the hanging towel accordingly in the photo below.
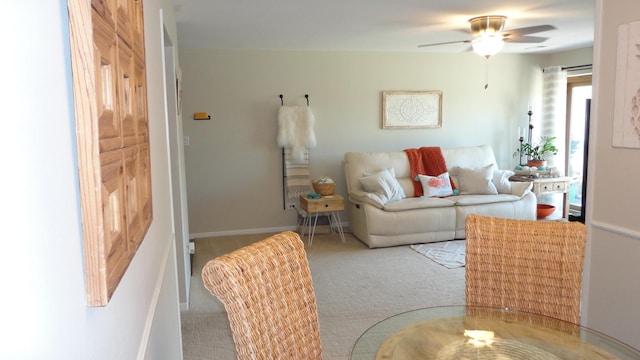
(295, 130)
(297, 180)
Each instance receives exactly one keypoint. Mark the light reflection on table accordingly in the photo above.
(459, 332)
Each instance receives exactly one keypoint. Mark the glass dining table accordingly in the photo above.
(466, 332)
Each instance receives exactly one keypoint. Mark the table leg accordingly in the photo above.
(304, 223)
(338, 223)
(313, 229)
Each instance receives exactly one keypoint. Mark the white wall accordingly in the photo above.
(43, 309)
(234, 171)
(613, 294)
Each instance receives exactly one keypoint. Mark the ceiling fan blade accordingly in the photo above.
(528, 30)
(525, 39)
(446, 43)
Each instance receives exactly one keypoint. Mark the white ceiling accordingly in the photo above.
(374, 25)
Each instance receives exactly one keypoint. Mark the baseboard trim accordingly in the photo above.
(250, 231)
(243, 232)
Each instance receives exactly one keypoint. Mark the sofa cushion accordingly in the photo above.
(383, 185)
(476, 181)
(358, 163)
(418, 203)
(466, 200)
(436, 186)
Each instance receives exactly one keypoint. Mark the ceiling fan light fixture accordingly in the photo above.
(487, 45)
(487, 25)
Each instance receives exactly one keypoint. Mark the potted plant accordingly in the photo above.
(537, 154)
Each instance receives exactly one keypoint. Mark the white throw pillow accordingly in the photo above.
(436, 186)
(501, 181)
(390, 170)
(476, 181)
(384, 185)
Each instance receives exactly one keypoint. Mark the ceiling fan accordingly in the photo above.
(489, 35)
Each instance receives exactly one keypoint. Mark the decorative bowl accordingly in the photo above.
(324, 189)
(545, 210)
(323, 185)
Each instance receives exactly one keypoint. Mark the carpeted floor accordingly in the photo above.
(355, 288)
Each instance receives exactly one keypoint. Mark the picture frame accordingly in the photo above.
(113, 157)
(626, 117)
(411, 109)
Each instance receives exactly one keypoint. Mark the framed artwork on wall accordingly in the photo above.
(626, 116)
(411, 109)
(112, 136)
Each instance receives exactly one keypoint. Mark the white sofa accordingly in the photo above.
(412, 220)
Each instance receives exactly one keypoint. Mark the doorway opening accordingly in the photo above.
(577, 142)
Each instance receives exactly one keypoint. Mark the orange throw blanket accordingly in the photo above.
(427, 160)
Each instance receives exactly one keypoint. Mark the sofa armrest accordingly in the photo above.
(360, 197)
(521, 188)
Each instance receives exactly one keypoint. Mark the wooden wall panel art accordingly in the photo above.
(110, 93)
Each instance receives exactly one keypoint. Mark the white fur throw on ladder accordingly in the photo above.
(295, 130)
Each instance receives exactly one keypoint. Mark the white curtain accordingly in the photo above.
(553, 119)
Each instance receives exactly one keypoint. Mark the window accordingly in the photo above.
(578, 105)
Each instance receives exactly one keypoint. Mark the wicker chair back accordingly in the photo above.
(532, 266)
(268, 294)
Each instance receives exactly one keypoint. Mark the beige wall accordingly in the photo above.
(568, 58)
(613, 269)
(234, 171)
